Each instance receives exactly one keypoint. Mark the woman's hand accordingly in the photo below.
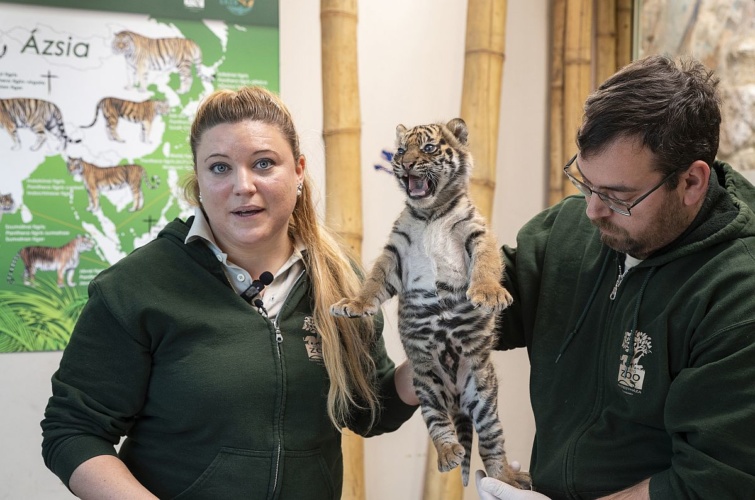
(404, 385)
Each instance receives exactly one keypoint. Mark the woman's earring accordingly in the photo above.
(200, 197)
(299, 189)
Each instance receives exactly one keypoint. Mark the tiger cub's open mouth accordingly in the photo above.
(418, 187)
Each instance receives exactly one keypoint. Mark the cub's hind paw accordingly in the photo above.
(450, 456)
(516, 478)
(490, 296)
(348, 308)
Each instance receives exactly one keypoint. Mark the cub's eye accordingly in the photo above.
(400, 151)
(429, 148)
(219, 168)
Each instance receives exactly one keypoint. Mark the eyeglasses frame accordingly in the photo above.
(609, 200)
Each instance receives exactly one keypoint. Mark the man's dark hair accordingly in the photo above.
(672, 107)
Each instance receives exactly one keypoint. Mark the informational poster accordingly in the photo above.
(96, 101)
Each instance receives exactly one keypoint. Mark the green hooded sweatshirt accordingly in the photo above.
(649, 376)
(215, 400)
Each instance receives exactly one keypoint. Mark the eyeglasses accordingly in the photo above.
(618, 206)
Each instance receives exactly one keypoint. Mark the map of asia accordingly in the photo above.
(95, 110)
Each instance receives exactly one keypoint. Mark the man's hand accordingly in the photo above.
(493, 489)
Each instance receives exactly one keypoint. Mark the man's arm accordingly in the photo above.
(493, 489)
(640, 491)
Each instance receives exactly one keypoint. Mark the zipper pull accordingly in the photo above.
(618, 283)
(278, 335)
(616, 287)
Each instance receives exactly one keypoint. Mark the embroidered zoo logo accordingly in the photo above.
(313, 342)
(631, 372)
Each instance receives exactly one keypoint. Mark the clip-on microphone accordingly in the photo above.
(256, 288)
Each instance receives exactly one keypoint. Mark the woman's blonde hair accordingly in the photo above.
(346, 343)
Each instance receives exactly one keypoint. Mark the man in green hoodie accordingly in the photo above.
(636, 303)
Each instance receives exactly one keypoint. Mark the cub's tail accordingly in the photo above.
(464, 429)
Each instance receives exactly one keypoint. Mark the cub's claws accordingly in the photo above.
(346, 308)
(493, 298)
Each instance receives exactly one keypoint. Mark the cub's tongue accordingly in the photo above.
(417, 186)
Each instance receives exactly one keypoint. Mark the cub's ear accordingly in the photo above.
(458, 128)
(400, 131)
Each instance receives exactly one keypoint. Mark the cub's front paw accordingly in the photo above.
(490, 296)
(348, 308)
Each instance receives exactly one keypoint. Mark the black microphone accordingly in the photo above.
(260, 305)
(257, 286)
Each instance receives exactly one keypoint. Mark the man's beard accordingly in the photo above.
(666, 227)
(618, 238)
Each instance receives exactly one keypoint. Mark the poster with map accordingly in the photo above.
(96, 101)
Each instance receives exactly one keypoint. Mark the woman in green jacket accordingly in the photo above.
(225, 383)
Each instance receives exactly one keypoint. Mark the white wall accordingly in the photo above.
(410, 71)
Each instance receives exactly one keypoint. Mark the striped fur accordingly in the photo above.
(143, 113)
(36, 114)
(159, 54)
(445, 267)
(98, 179)
(63, 259)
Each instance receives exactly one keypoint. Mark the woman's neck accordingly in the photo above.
(256, 260)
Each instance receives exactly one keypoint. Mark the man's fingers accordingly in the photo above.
(477, 476)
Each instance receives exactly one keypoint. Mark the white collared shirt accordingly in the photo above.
(284, 279)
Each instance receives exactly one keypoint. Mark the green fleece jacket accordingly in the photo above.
(652, 376)
(215, 400)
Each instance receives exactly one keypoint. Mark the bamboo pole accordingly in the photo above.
(557, 154)
(577, 70)
(481, 94)
(624, 32)
(480, 108)
(341, 119)
(605, 40)
(342, 135)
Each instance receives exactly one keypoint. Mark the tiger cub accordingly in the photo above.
(159, 54)
(138, 112)
(35, 114)
(98, 179)
(63, 259)
(445, 267)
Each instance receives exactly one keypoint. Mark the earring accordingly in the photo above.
(200, 197)
(299, 189)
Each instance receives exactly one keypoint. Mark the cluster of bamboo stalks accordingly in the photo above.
(591, 40)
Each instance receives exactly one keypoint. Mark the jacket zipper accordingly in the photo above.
(600, 390)
(622, 274)
(278, 342)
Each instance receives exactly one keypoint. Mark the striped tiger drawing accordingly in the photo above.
(63, 259)
(159, 54)
(445, 267)
(35, 114)
(98, 179)
(143, 113)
